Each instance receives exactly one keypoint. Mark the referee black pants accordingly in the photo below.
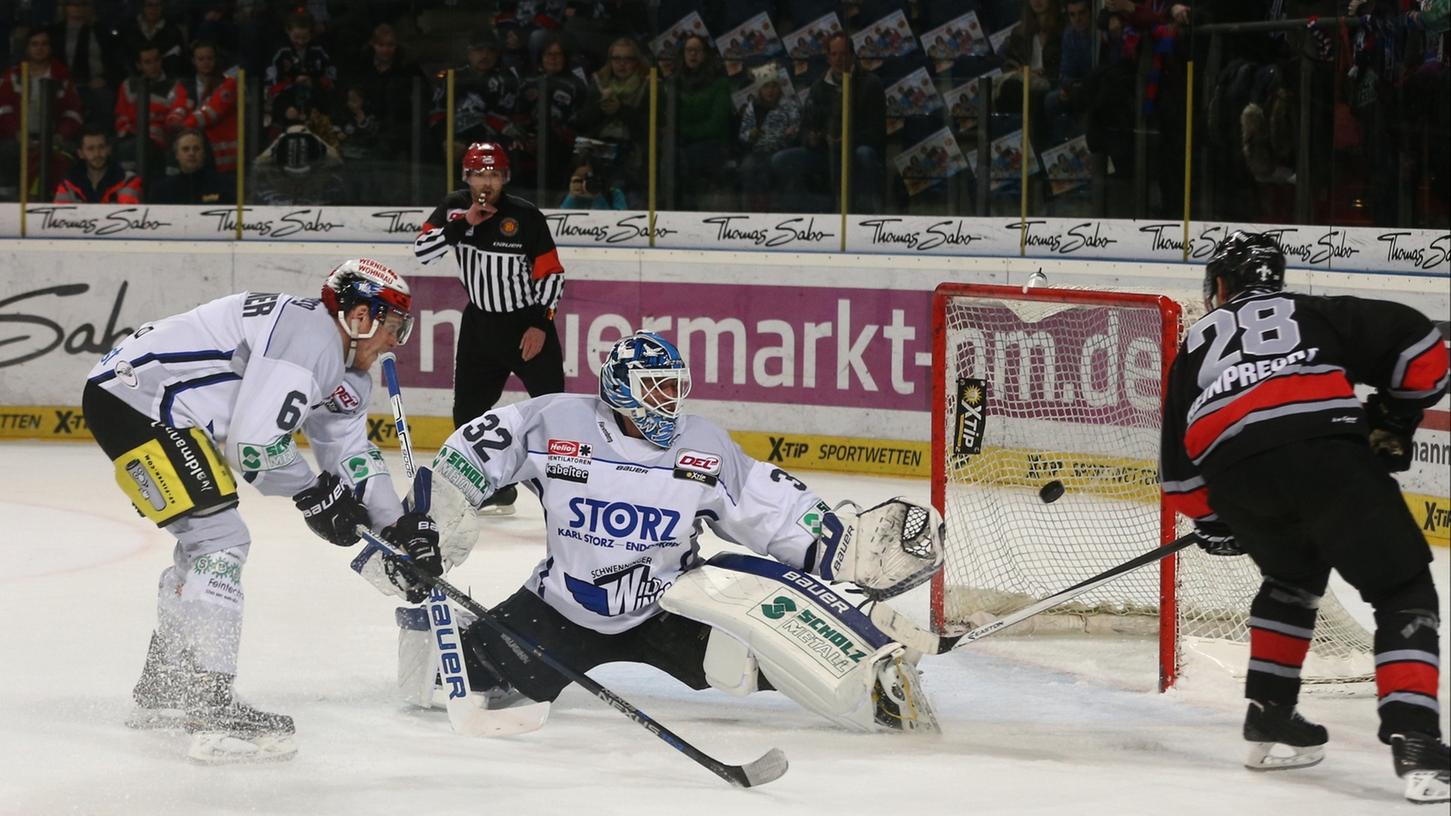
(488, 352)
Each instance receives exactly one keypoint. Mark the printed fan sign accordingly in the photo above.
(668, 44)
(755, 37)
(1007, 160)
(890, 36)
(1068, 165)
(961, 37)
(912, 95)
(962, 102)
(997, 38)
(929, 161)
(809, 41)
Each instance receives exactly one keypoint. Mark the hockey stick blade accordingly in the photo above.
(767, 768)
(499, 722)
(904, 631)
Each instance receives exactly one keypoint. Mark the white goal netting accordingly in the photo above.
(1055, 385)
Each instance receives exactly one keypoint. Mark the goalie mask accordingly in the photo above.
(1244, 261)
(366, 281)
(646, 380)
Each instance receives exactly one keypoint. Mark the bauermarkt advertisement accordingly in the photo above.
(815, 365)
(1348, 249)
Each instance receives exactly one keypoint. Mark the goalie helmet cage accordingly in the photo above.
(1047, 384)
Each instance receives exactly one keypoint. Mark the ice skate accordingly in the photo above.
(501, 503)
(1425, 763)
(901, 704)
(1281, 739)
(224, 729)
(161, 693)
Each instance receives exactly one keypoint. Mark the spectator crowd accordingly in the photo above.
(347, 103)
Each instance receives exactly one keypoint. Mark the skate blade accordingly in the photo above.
(495, 510)
(156, 719)
(1262, 756)
(1427, 788)
(220, 748)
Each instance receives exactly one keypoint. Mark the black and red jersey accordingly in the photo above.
(1270, 368)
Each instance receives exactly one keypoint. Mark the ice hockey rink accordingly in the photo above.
(1031, 726)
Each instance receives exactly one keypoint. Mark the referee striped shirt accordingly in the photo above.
(506, 264)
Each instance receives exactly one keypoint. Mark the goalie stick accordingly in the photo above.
(904, 631)
(467, 712)
(766, 768)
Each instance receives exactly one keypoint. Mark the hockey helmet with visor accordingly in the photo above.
(645, 379)
(383, 291)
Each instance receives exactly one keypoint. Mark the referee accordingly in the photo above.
(511, 271)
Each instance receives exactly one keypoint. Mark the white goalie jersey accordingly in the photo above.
(623, 515)
(251, 368)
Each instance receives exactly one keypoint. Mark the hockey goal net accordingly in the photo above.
(1044, 385)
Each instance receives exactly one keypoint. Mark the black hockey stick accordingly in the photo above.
(766, 768)
(909, 634)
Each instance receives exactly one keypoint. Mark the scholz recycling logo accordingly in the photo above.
(778, 608)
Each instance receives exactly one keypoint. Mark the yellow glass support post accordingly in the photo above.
(448, 132)
(1023, 175)
(1188, 148)
(24, 137)
(652, 170)
(241, 147)
(845, 152)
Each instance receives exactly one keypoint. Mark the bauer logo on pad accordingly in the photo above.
(969, 417)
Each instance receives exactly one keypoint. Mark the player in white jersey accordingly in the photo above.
(185, 399)
(628, 483)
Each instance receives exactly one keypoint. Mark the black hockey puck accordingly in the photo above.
(1051, 492)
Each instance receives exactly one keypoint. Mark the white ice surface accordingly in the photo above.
(1032, 725)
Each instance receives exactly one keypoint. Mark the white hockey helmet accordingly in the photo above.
(366, 281)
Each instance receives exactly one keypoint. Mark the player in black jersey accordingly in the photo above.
(511, 271)
(1270, 451)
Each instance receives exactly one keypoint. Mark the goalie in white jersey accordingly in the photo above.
(183, 398)
(628, 483)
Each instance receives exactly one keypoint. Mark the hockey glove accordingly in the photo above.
(1391, 429)
(331, 510)
(1215, 538)
(417, 535)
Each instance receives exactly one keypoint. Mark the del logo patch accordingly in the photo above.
(698, 467)
(509, 228)
(345, 399)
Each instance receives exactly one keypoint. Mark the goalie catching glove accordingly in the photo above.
(886, 550)
(417, 535)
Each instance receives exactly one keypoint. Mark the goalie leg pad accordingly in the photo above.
(812, 646)
(729, 665)
(418, 682)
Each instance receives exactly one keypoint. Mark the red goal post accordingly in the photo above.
(1007, 314)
